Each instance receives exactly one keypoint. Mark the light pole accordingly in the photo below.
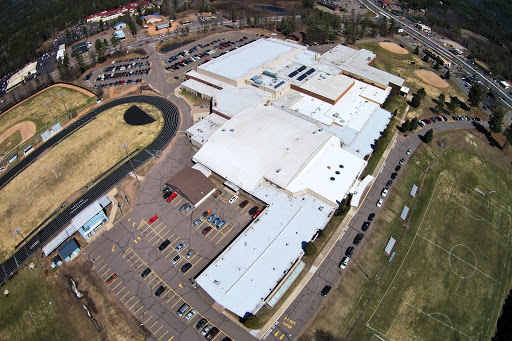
(18, 231)
(125, 147)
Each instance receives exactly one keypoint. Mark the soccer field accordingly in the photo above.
(451, 281)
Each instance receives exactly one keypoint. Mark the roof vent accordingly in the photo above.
(231, 130)
(332, 178)
(314, 132)
(223, 129)
(277, 171)
(321, 129)
(337, 172)
(341, 166)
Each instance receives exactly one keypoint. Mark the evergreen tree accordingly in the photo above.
(406, 126)
(421, 93)
(496, 120)
(417, 50)
(447, 75)
(414, 124)
(425, 58)
(508, 135)
(416, 101)
(475, 95)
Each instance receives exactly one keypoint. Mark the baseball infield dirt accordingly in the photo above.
(26, 128)
(431, 78)
(392, 47)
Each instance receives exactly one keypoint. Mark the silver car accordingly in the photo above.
(190, 253)
(198, 222)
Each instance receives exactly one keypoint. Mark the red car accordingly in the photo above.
(206, 229)
(256, 214)
(153, 219)
(172, 197)
(111, 278)
(243, 203)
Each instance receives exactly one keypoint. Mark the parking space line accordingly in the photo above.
(172, 306)
(134, 304)
(131, 298)
(172, 337)
(118, 284)
(154, 286)
(142, 306)
(124, 296)
(106, 272)
(163, 335)
(158, 329)
(115, 279)
(153, 323)
(178, 202)
(96, 265)
(103, 267)
(141, 264)
(120, 291)
(149, 319)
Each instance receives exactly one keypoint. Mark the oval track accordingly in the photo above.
(171, 124)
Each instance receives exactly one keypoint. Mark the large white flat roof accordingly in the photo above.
(328, 86)
(249, 58)
(331, 173)
(261, 142)
(202, 130)
(19, 76)
(374, 74)
(249, 269)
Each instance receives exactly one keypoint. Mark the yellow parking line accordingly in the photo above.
(172, 337)
(141, 264)
(154, 286)
(131, 298)
(124, 295)
(103, 267)
(96, 265)
(112, 282)
(116, 286)
(148, 319)
(176, 303)
(158, 329)
(153, 323)
(134, 304)
(168, 291)
(163, 335)
(120, 291)
(170, 299)
(106, 272)
(142, 306)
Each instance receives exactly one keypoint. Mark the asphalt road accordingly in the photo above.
(309, 302)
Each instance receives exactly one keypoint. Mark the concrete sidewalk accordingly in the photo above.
(338, 234)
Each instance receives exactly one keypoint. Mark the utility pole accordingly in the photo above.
(125, 147)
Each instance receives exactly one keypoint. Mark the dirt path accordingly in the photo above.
(26, 128)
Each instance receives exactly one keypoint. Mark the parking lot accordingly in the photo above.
(123, 255)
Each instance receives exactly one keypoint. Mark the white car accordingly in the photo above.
(409, 151)
(379, 203)
(344, 262)
(384, 192)
(233, 199)
(190, 314)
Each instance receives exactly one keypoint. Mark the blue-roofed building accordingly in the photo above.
(69, 250)
(119, 25)
(119, 34)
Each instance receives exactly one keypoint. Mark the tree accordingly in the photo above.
(447, 75)
(406, 126)
(417, 50)
(496, 120)
(251, 321)
(476, 94)
(138, 20)
(416, 101)
(452, 106)
(437, 66)
(508, 135)
(421, 93)
(414, 124)
(114, 40)
(233, 16)
(308, 3)
(440, 102)
(425, 58)
(429, 136)
(102, 24)
(309, 249)
(80, 61)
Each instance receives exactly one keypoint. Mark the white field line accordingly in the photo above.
(421, 311)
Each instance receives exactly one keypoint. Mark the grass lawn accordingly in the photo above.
(46, 108)
(9, 143)
(452, 266)
(27, 315)
(195, 100)
(41, 188)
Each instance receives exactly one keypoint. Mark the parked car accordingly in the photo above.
(222, 223)
(344, 262)
(211, 217)
(190, 314)
(358, 239)
(164, 244)
(389, 183)
(176, 259)
(243, 203)
(217, 193)
(233, 199)
(216, 221)
(207, 213)
(379, 203)
(409, 151)
(172, 197)
(202, 322)
(397, 168)
(206, 230)
(167, 190)
(401, 162)
(152, 219)
(198, 222)
(111, 278)
(180, 246)
(366, 226)
(146, 272)
(160, 290)
(371, 216)
(190, 253)
(394, 175)
(182, 309)
(384, 192)
(185, 206)
(206, 329)
(350, 251)
(212, 333)
(167, 194)
(325, 290)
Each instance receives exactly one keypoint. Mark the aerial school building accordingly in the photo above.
(292, 128)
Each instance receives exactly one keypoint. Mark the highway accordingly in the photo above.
(430, 43)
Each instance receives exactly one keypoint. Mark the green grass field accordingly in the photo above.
(451, 270)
